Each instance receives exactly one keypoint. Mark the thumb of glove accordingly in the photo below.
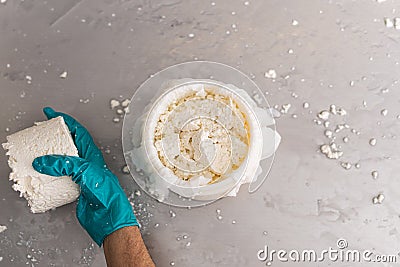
(58, 165)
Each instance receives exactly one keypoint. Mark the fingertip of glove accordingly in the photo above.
(37, 163)
(49, 112)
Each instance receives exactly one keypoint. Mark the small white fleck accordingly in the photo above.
(345, 139)
(375, 174)
(191, 35)
(246, 3)
(372, 141)
(328, 133)
(331, 151)
(126, 102)
(172, 214)
(3, 1)
(63, 75)
(323, 115)
(346, 165)
(270, 74)
(388, 23)
(115, 120)
(125, 169)
(396, 23)
(295, 22)
(357, 165)
(285, 108)
(351, 83)
(341, 112)
(378, 199)
(326, 124)
(114, 103)
(290, 51)
(306, 105)
(384, 112)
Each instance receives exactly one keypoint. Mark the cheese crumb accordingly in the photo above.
(114, 103)
(63, 75)
(270, 74)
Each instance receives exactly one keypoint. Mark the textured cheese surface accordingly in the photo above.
(42, 192)
(202, 134)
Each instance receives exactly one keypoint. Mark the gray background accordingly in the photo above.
(308, 201)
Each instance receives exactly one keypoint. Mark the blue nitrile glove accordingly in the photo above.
(102, 205)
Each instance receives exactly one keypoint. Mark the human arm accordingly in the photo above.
(125, 247)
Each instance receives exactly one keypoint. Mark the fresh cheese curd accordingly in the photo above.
(202, 134)
(201, 139)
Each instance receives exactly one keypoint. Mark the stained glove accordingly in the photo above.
(102, 205)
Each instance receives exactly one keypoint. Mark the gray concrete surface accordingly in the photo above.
(109, 48)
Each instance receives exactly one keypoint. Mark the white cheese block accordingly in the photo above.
(43, 192)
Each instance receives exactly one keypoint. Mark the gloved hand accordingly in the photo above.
(102, 205)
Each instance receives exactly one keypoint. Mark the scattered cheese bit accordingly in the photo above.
(375, 174)
(3, 228)
(378, 199)
(114, 103)
(285, 108)
(63, 75)
(270, 74)
(388, 22)
(126, 102)
(396, 23)
(346, 165)
(323, 115)
(331, 151)
(372, 141)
